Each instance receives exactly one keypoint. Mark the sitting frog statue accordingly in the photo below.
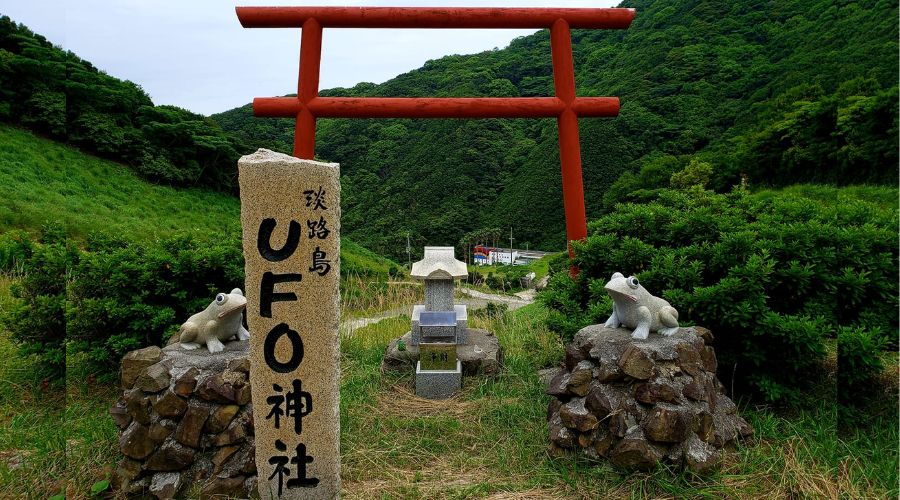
(634, 307)
(220, 321)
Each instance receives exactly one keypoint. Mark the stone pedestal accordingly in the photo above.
(184, 418)
(438, 384)
(639, 402)
(482, 355)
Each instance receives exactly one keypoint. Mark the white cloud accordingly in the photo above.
(195, 54)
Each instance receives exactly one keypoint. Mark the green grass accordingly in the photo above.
(492, 438)
(883, 197)
(42, 181)
(489, 440)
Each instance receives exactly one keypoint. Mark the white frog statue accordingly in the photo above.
(219, 322)
(635, 308)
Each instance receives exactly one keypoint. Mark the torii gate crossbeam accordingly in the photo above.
(565, 106)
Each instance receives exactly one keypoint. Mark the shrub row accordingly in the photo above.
(774, 278)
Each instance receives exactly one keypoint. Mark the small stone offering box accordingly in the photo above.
(290, 215)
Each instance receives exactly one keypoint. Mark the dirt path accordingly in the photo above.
(473, 298)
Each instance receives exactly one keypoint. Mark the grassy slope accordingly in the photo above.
(42, 181)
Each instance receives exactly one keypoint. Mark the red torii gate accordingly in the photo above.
(565, 106)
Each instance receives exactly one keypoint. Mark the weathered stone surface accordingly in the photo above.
(138, 405)
(282, 188)
(636, 363)
(215, 388)
(235, 433)
(580, 379)
(574, 355)
(170, 405)
(165, 485)
(575, 416)
(188, 432)
(128, 468)
(228, 487)
(222, 455)
(652, 400)
(239, 365)
(559, 384)
(171, 456)
(119, 413)
(559, 434)
(708, 358)
(659, 390)
(136, 487)
(135, 442)
(154, 378)
(666, 423)
(480, 355)
(160, 430)
(187, 382)
(635, 452)
(700, 456)
(220, 418)
(134, 363)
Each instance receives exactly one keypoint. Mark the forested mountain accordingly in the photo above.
(57, 94)
(775, 91)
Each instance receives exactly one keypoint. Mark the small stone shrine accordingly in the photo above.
(440, 344)
(640, 402)
(439, 325)
(185, 418)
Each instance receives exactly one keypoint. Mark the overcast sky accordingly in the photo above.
(194, 53)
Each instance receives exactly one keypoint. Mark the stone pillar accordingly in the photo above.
(439, 294)
(290, 215)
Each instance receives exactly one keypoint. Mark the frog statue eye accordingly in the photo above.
(221, 298)
(633, 282)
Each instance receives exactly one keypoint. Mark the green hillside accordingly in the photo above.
(783, 92)
(43, 182)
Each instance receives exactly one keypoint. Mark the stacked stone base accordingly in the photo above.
(639, 403)
(185, 417)
(480, 355)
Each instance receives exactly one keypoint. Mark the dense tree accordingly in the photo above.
(782, 92)
(58, 94)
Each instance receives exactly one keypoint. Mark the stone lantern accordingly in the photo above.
(439, 325)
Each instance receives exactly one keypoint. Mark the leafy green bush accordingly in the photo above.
(773, 278)
(858, 360)
(124, 296)
(37, 319)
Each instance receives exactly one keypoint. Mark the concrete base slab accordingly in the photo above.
(438, 384)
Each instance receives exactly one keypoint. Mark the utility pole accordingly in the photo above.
(511, 261)
(408, 250)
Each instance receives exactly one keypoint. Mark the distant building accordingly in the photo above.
(487, 256)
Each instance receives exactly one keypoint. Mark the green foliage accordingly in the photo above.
(36, 320)
(124, 296)
(99, 487)
(53, 92)
(858, 360)
(787, 92)
(772, 276)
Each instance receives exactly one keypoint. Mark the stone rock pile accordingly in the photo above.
(185, 417)
(638, 403)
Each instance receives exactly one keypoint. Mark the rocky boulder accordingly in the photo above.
(641, 402)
